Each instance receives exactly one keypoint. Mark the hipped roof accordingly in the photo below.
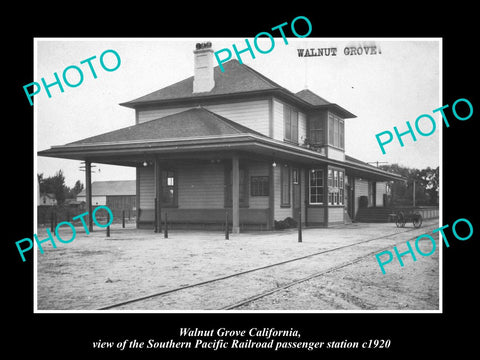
(194, 131)
(191, 123)
(235, 81)
(198, 129)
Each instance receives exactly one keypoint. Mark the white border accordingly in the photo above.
(35, 185)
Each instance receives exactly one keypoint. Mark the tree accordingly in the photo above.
(430, 179)
(77, 188)
(56, 185)
(426, 185)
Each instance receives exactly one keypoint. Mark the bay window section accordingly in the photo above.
(316, 136)
(290, 121)
(336, 131)
(341, 183)
(331, 136)
(330, 187)
(335, 187)
(341, 134)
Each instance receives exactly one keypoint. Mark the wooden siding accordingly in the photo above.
(335, 215)
(316, 216)
(96, 200)
(205, 218)
(361, 189)
(200, 186)
(335, 154)
(146, 187)
(252, 114)
(302, 127)
(277, 120)
(121, 202)
(200, 189)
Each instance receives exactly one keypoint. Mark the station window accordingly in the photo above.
(290, 120)
(316, 130)
(295, 176)
(335, 187)
(285, 185)
(315, 188)
(336, 131)
(259, 185)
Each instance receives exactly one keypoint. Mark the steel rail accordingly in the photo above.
(161, 293)
(298, 281)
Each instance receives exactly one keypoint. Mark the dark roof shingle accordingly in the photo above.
(237, 78)
(191, 123)
(311, 97)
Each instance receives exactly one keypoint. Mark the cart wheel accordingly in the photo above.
(400, 220)
(417, 220)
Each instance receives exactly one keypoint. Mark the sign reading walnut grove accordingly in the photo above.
(332, 51)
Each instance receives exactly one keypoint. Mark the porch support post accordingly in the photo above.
(235, 195)
(271, 197)
(158, 195)
(137, 197)
(352, 186)
(88, 193)
(300, 192)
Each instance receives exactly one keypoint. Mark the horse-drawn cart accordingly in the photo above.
(403, 216)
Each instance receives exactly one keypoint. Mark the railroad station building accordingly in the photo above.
(236, 144)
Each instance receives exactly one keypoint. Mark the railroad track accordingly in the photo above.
(299, 281)
(274, 266)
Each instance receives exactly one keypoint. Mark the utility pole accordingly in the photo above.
(377, 162)
(413, 193)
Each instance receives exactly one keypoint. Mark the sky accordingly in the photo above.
(398, 84)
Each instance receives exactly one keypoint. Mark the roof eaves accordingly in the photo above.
(345, 113)
(364, 166)
(195, 99)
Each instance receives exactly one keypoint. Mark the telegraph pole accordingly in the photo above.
(377, 162)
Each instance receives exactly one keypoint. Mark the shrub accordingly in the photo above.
(285, 223)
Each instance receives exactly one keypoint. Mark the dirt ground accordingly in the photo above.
(361, 286)
(94, 271)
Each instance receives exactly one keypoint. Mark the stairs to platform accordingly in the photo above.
(374, 214)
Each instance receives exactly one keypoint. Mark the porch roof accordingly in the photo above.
(197, 134)
(192, 123)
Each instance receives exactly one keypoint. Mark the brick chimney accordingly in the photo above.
(203, 68)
